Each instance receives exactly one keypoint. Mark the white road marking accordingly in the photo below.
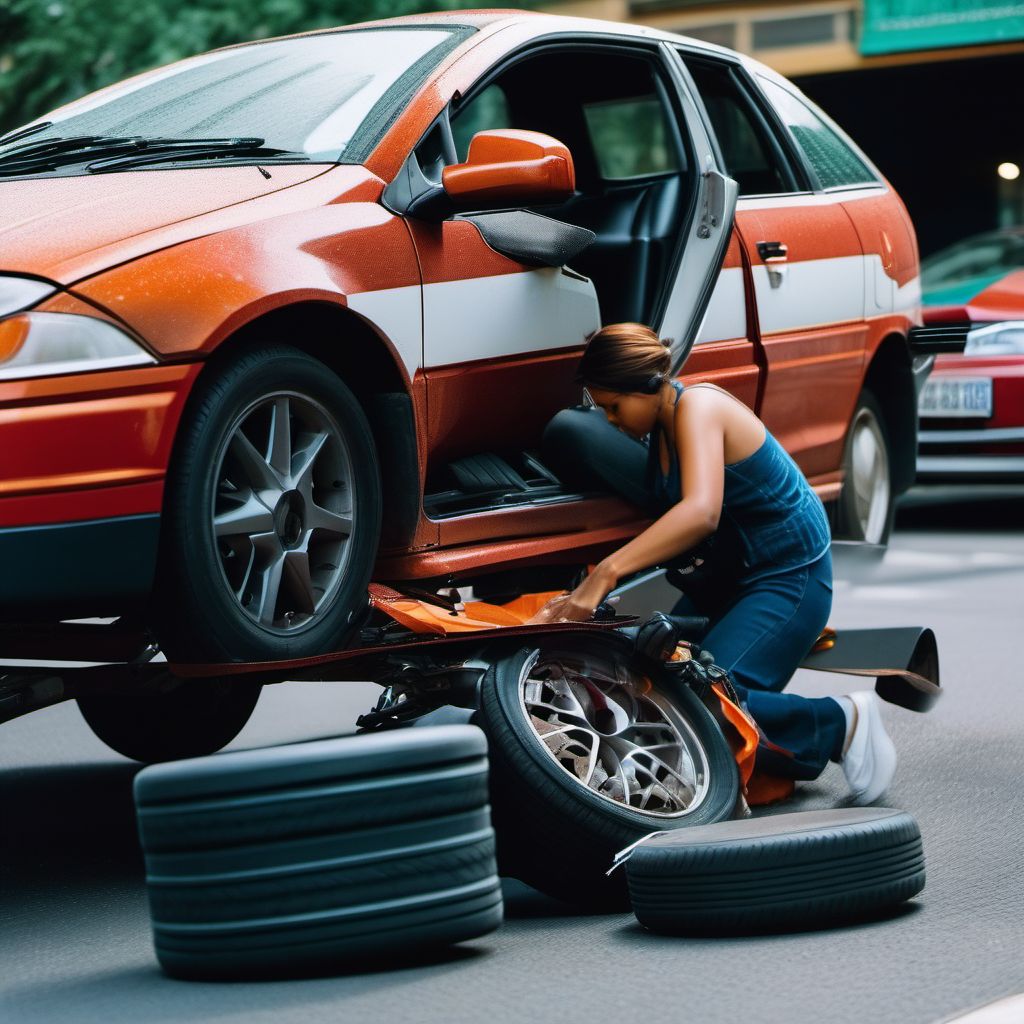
(1004, 1011)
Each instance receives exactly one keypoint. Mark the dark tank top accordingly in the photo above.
(767, 503)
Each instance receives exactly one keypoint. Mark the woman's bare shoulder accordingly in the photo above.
(743, 431)
(707, 394)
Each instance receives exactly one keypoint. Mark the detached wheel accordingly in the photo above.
(866, 506)
(805, 869)
(588, 755)
(272, 515)
(194, 719)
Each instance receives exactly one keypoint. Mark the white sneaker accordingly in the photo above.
(870, 759)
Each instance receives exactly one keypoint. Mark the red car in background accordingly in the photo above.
(972, 406)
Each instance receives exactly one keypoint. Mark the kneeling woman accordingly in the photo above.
(711, 465)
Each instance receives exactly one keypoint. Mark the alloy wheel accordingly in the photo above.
(282, 511)
(609, 728)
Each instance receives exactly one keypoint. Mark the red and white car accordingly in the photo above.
(972, 405)
(291, 315)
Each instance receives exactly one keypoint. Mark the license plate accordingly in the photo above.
(956, 396)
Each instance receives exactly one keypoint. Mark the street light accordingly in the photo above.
(1008, 171)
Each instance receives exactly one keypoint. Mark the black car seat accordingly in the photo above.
(637, 225)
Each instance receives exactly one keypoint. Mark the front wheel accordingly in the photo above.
(272, 514)
(589, 754)
(867, 505)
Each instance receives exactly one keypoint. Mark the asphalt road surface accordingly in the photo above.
(74, 931)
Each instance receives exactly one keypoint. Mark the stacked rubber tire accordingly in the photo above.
(805, 869)
(315, 856)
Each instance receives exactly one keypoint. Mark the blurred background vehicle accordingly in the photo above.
(972, 405)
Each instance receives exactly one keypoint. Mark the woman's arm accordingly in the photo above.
(700, 441)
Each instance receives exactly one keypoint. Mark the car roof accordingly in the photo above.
(495, 19)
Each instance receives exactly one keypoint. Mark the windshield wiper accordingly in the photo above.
(49, 154)
(112, 152)
(172, 150)
(22, 133)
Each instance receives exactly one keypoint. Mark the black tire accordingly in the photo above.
(867, 518)
(395, 855)
(554, 832)
(193, 719)
(777, 873)
(209, 596)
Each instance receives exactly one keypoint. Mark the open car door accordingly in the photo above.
(709, 228)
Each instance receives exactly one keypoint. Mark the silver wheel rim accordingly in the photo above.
(869, 476)
(282, 512)
(612, 732)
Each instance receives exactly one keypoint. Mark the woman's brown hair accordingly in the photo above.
(625, 358)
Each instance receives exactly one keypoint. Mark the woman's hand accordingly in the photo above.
(577, 605)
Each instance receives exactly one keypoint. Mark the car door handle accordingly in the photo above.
(774, 252)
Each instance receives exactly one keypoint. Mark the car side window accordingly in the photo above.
(630, 137)
(751, 156)
(831, 158)
(489, 110)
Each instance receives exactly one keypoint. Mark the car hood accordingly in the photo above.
(51, 226)
(980, 299)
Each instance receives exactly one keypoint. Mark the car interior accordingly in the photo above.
(634, 187)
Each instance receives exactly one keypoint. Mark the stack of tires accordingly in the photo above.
(317, 856)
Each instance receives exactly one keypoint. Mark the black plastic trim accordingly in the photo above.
(79, 568)
(935, 339)
(531, 238)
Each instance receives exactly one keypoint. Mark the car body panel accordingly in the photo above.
(231, 282)
(66, 228)
(90, 445)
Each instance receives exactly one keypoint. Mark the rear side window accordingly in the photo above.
(831, 158)
(749, 154)
(631, 137)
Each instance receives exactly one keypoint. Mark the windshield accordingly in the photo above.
(325, 97)
(971, 265)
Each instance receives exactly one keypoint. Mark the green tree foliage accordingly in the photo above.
(53, 51)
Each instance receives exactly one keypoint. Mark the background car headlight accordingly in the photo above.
(47, 344)
(1005, 339)
(17, 293)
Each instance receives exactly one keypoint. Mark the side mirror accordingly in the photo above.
(508, 166)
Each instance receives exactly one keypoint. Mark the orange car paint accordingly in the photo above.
(541, 167)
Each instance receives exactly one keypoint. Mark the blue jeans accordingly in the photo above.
(760, 637)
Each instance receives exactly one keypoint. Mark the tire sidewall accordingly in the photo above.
(201, 618)
(849, 523)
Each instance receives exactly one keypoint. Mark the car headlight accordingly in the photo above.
(1003, 339)
(18, 293)
(47, 344)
